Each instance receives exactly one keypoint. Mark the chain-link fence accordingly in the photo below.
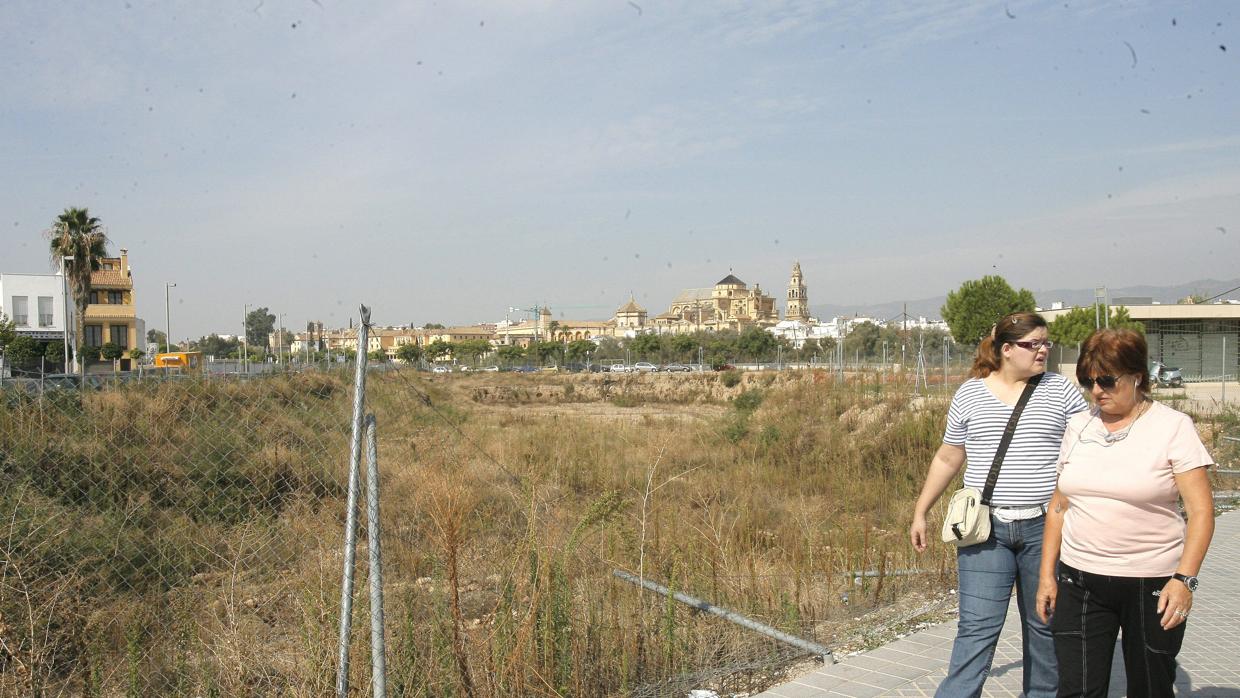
(184, 535)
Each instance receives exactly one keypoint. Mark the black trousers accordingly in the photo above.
(1090, 610)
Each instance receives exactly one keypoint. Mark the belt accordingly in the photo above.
(1008, 514)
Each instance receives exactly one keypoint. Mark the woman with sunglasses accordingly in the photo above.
(1125, 557)
(1015, 352)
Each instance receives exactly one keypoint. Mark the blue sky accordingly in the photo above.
(442, 161)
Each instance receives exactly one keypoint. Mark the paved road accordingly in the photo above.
(914, 666)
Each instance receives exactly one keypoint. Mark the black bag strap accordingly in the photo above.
(1008, 433)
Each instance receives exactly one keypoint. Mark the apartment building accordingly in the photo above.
(35, 303)
(110, 315)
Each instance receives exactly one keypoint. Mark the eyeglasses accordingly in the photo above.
(1035, 344)
(1104, 382)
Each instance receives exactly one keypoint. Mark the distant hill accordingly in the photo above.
(929, 307)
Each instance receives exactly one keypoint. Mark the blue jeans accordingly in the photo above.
(988, 571)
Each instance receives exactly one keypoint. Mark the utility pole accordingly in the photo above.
(245, 339)
(168, 315)
(64, 290)
(1102, 314)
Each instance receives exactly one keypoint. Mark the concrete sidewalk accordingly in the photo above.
(914, 666)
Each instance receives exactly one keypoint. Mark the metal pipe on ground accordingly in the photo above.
(812, 648)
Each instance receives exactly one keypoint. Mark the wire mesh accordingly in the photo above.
(181, 535)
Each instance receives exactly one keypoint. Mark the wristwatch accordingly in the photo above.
(1190, 582)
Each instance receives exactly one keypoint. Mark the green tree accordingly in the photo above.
(23, 351)
(683, 346)
(135, 354)
(215, 345)
(158, 338)
(378, 356)
(545, 351)
(54, 352)
(756, 343)
(1074, 326)
(259, 324)
(609, 348)
(646, 346)
(409, 353)
(864, 339)
(111, 351)
(511, 354)
(78, 235)
(8, 331)
(432, 326)
(579, 349)
(470, 349)
(972, 309)
(720, 347)
(438, 349)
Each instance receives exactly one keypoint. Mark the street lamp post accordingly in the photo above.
(64, 290)
(245, 340)
(168, 314)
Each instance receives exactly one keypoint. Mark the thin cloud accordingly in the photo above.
(1194, 146)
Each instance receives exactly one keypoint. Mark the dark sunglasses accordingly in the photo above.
(1036, 344)
(1104, 382)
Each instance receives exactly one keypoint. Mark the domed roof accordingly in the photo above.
(631, 307)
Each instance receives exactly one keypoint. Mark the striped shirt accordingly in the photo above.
(976, 420)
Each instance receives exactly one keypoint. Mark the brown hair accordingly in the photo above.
(1010, 328)
(1115, 352)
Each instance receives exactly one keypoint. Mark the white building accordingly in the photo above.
(35, 303)
(796, 331)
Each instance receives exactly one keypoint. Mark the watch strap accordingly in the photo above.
(1189, 581)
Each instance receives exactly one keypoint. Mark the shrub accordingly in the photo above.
(748, 401)
(730, 378)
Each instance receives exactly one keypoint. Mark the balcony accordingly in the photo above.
(109, 311)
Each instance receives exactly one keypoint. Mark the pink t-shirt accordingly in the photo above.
(1122, 518)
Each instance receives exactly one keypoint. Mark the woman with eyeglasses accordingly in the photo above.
(1014, 353)
(1125, 557)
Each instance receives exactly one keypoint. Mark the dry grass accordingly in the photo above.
(184, 539)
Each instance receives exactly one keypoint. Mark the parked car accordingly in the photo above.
(645, 367)
(723, 367)
(619, 368)
(489, 369)
(676, 368)
(441, 369)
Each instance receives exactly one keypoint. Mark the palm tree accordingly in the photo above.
(78, 235)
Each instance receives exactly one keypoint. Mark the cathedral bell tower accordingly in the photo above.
(798, 297)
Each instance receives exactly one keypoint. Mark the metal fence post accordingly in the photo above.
(350, 531)
(378, 648)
